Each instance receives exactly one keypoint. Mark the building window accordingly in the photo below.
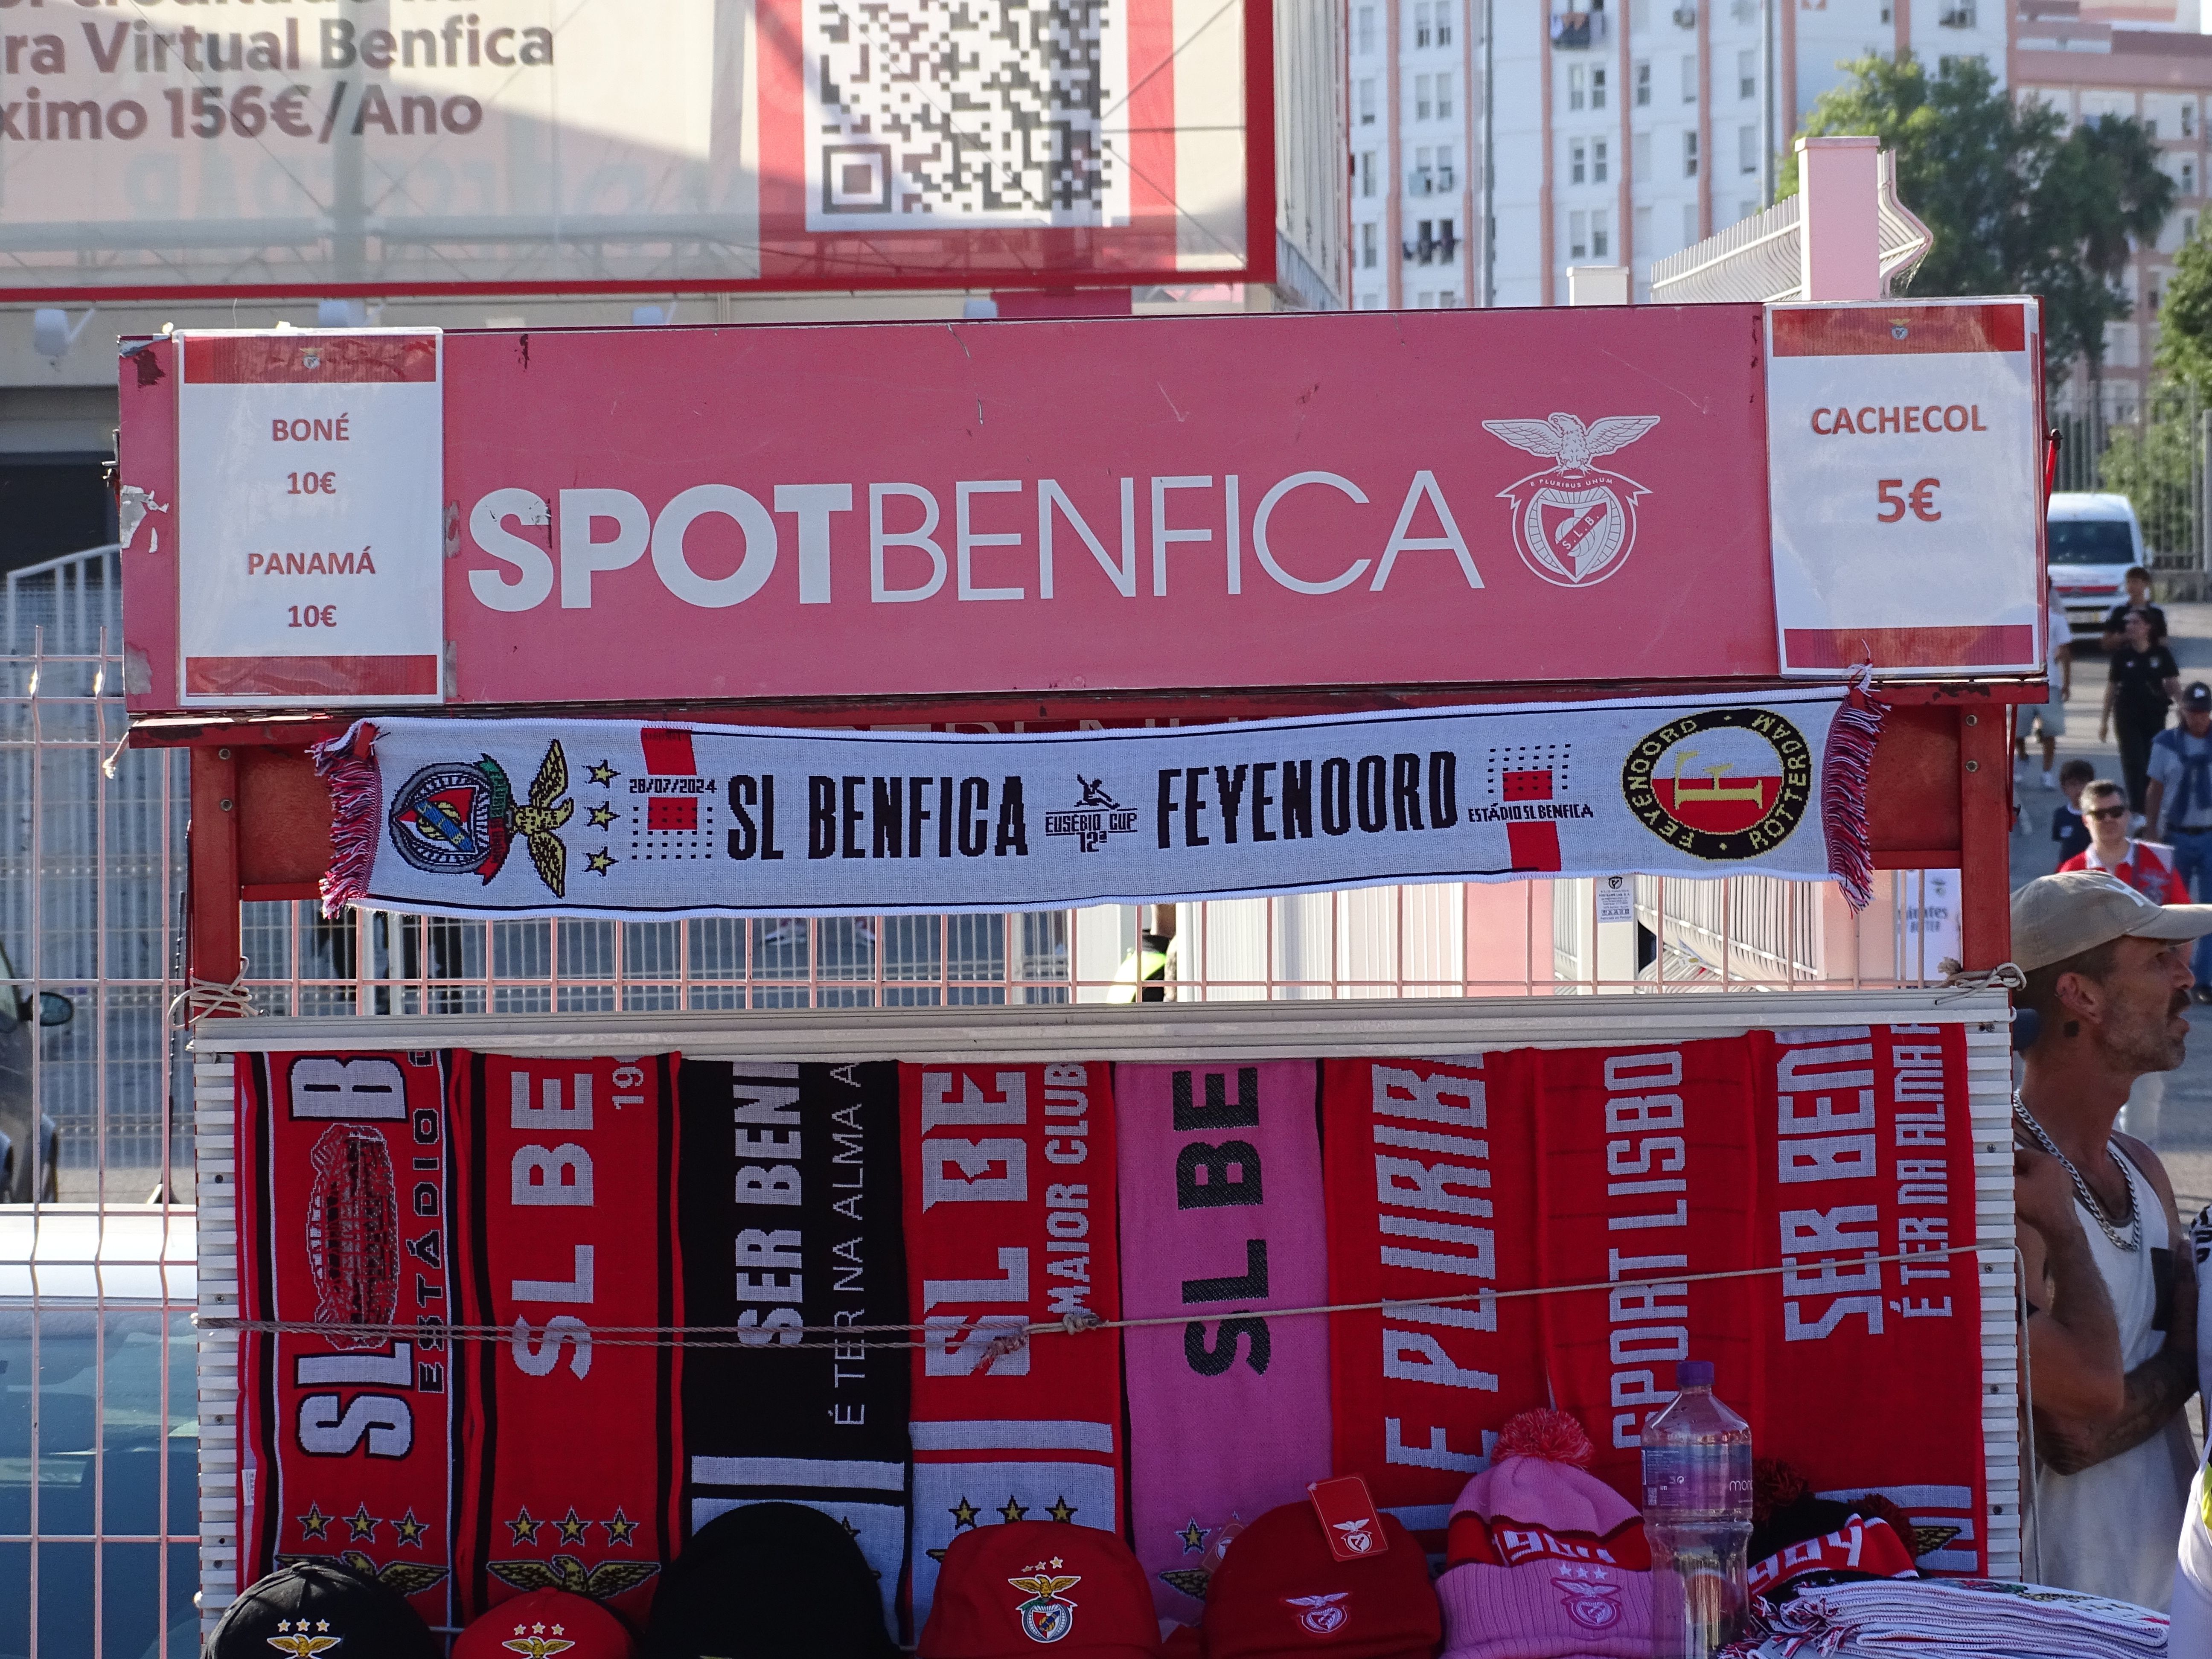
(1600, 172)
(1424, 96)
(2188, 119)
(1421, 25)
(1578, 88)
(1642, 222)
(1367, 173)
(1639, 159)
(1600, 240)
(1367, 246)
(2188, 175)
(1689, 80)
(2188, 226)
(1746, 74)
(1446, 298)
(1443, 24)
(1578, 236)
(1446, 179)
(1366, 35)
(1443, 97)
(1577, 157)
(1689, 224)
(1689, 154)
(1367, 103)
(1371, 302)
(1597, 88)
(1448, 240)
(1424, 242)
(1643, 85)
(1746, 150)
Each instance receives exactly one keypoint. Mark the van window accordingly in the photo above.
(2091, 541)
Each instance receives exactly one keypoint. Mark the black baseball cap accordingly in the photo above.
(766, 1582)
(2198, 696)
(321, 1607)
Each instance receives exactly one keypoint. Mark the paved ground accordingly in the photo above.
(2185, 1138)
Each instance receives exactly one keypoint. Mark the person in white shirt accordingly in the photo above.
(2051, 712)
(2111, 1301)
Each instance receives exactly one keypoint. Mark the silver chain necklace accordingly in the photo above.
(2089, 1200)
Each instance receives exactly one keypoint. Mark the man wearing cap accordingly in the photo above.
(2180, 797)
(2111, 1300)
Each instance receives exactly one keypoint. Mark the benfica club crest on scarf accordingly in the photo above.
(458, 817)
(1047, 1615)
(1576, 524)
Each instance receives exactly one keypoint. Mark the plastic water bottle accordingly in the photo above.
(1697, 1517)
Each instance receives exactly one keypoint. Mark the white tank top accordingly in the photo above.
(2110, 1530)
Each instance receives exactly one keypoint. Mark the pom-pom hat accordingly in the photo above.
(1545, 1561)
(1281, 1590)
(546, 1624)
(1006, 1590)
(300, 1609)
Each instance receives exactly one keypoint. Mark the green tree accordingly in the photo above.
(2154, 467)
(2018, 203)
(2184, 320)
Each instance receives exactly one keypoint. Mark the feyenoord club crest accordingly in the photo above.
(1723, 783)
(1576, 524)
(1320, 1615)
(460, 816)
(1047, 1615)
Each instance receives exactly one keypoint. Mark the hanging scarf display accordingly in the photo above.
(792, 1173)
(348, 1435)
(1220, 1175)
(563, 1220)
(1010, 1219)
(610, 817)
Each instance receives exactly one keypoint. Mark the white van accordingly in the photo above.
(2094, 540)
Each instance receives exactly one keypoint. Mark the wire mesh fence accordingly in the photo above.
(2152, 449)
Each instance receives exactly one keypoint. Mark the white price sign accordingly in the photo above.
(310, 477)
(1905, 484)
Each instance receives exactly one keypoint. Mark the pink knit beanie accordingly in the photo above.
(1545, 1561)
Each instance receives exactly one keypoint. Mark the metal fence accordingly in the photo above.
(2152, 449)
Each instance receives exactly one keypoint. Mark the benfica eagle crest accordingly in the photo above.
(461, 817)
(1574, 524)
(1047, 1614)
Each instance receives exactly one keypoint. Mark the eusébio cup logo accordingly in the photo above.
(1721, 784)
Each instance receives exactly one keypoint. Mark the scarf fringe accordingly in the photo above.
(1844, 770)
(345, 763)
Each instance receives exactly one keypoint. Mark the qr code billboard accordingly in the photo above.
(987, 112)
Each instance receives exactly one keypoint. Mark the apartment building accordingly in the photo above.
(2143, 58)
(1621, 133)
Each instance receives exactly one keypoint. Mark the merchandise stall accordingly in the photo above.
(618, 625)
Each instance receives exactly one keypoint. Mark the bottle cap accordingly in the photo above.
(1693, 1374)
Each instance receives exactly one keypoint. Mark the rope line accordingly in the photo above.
(1003, 1340)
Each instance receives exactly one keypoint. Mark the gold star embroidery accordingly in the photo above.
(964, 1514)
(600, 816)
(315, 1524)
(1013, 1512)
(603, 774)
(361, 1524)
(410, 1529)
(1193, 1536)
(600, 862)
(322, 1625)
(524, 1528)
(572, 1527)
(1063, 1510)
(619, 1527)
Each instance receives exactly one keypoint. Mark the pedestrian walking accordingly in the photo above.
(2140, 686)
(2180, 801)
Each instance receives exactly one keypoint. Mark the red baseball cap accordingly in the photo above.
(1003, 1589)
(1280, 1590)
(546, 1624)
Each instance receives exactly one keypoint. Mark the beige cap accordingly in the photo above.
(2055, 917)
